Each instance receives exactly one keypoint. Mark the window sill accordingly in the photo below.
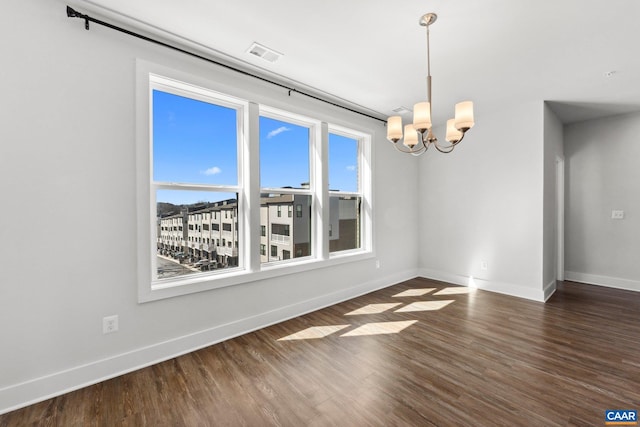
(205, 282)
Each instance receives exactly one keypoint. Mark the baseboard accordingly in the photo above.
(29, 392)
(487, 285)
(594, 279)
(550, 289)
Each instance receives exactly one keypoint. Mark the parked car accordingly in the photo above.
(203, 264)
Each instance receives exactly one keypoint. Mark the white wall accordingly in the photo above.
(483, 202)
(67, 178)
(553, 151)
(602, 158)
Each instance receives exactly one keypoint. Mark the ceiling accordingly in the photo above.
(582, 56)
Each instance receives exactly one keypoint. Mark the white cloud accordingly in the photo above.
(212, 171)
(277, 131)
(351, 168)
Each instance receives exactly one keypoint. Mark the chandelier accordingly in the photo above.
(418, 136)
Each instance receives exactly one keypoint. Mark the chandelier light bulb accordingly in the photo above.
(422, 116)
(464, 115)
(410, 136)
(453, 135)
(394, 129)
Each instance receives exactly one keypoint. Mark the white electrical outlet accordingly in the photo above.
(377, 263)
(109, 324)
(484, 265)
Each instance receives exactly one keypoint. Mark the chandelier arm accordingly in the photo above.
(444, 149)
(411, 151)
(460, 140)
(450, 148)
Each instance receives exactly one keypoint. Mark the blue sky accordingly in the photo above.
(194, 142)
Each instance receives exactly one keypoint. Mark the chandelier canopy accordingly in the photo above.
(418, 136)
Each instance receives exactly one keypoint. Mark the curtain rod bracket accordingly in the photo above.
(71, 13)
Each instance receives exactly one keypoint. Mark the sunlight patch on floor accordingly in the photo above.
(414, 292)
(455, 290)
(314, 332)
(425, 306)
(373, 309)
(380, 328)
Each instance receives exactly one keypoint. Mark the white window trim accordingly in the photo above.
(365, 188)
(176, 87)
(315, 140)
(248, 190)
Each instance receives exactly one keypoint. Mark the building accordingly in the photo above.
(488, 211)
(202, 232)
(210, 231)
(173, 234)
(284, 229)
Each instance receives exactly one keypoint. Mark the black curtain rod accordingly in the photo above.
(71, 13)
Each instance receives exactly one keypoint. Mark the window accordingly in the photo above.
(281, 229)
(190, 128)
(345, 192)
(286, 142)
(193, 151)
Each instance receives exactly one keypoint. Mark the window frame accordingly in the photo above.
(363, 191)
(314, 185)
(197, 93)
(248, 190)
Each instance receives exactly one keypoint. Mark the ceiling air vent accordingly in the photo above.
(402, 110)
(264, 52)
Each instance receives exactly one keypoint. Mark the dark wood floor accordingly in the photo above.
(465, 359)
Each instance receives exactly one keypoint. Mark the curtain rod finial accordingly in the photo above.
(71, 13)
